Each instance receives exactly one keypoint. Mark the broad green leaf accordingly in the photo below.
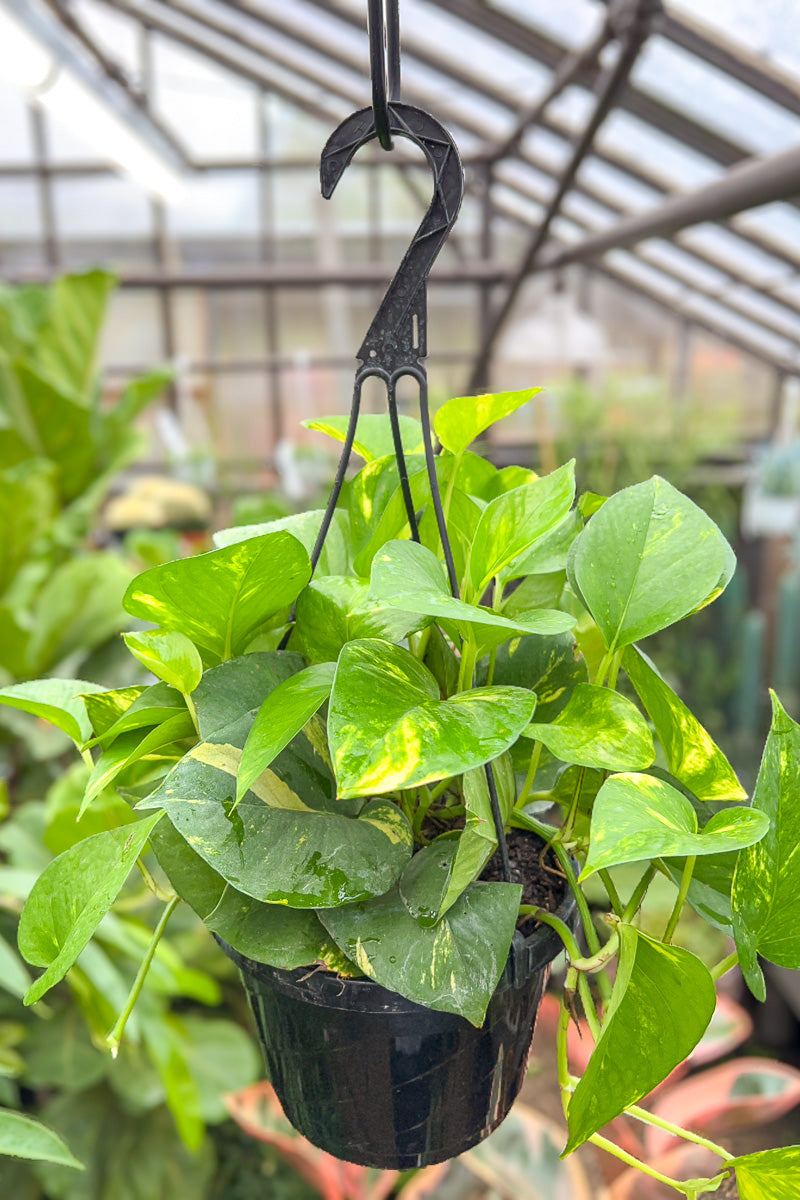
(661, 1005)
(72, 896)
(241, 586)
(550, 666)
(336, 610)
(113, 713)
(55, 700)
(766, 885)
(59, 1053)
(692, 755)
(460, 420)
(373, 434)
(710, 890)
(221, 1057)
(14, 641)
(388, 728)
(230, 695)
(597, 728)
(638, 817)
(22, 1137)
(506, 480)
(377, 507)
(408, 576)
(646, 559)
(453, 966)
(129, 748)
(768, 1174)
(136, 395)
(550, 553)
(424, 882)
(282, 715)
(160, 1037)
(512, 523)
(79, 608)
(170, 656)
(13, 976)
(274, 845)
(305, 526)
(66, 343)
(62, 429)
(27, 501)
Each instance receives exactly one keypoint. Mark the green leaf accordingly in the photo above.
(388, 728)
(106, 708)
(336, 610)
(453, 966)
(55, 700)
(661, 1005)
(425, 880)
(27, 502)
(129, 748)
(221, 1059)
(79, 608)
(549, 666)
(646, 559)
(550, 553)
(305, 526)
(638, 817)
(62, 430)
(66, 343)
(408, 576)
(22, 1137)
(373, 434)
(282, 715)
(274, 845)
(597, 728)
(766, 885)
(241, 586)
(113, 713)
(460, 420)
(72, 896)
(59, 1053)
(768, 1174)
(13, 976)
(170, 656)
(692, 755)
(512, 523)
(377, 507)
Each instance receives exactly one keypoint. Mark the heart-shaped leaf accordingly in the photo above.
(766, 885)
(71, 897)
(597, 728)
(277, 846)
(512, 523)
(388, 728)
(170, 656)
(282, 715)
(22, 1137)
(768, 1174)
(549, 666)
(460, 420)
(409, 576)
(647, 558)
(692, 755)
(55, 700)
(453, 966)
(373, 434)
(305, 526)
(661, 1005)
(336, 610)
(637, 817)
(242, 586)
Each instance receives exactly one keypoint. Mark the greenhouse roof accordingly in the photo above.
(688, 192)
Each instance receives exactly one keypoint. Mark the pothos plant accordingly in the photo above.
(357, 839)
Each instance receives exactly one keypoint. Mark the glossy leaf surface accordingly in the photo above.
(22, 1137)
(549, 666)
(55, 700)
(373, 433)
(647, 558)
(275, 845)
(170, 656)
(638, 817)
(460, 420)
(241, 586)
(692, 755)
(305, 526)
(129, 748)
(388, 728)
(766, 885)
(71, 897)
(452, 966)
(282, 715)
(113, 713)
(597, 728)
(336, 610)
(662, 1002)
(768, 1174)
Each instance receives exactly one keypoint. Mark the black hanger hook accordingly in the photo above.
(383, 22)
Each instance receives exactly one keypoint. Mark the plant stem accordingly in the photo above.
(604, 1144)
(726, 965)
(561, 1039)
(467, 668)
(602, 670)
(613, 670)
(86, 755)
(686, 879)
(423, 804)
(613, 894)
(192, 711)
(536, 754)
(639, 894)
(115, 1036)
(152, 886)
(568, 826)
(587, 1000)
(563, 930)
(441, 788)
(648, 1118)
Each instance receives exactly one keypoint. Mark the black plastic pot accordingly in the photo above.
(378, 1080)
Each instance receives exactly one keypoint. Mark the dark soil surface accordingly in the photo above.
(543, 883)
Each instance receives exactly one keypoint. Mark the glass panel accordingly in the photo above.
(767, 27)
(16, 144)
(216, 204)
(237, 325)
(239, 418)
(101, 207)
(133, 332)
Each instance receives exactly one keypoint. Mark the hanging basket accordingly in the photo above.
(378, 1080)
